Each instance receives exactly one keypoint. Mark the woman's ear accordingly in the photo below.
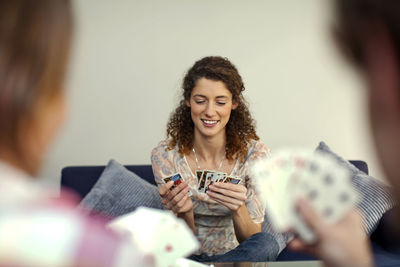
(235, 104)
(187, 103)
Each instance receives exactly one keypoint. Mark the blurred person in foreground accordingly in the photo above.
(368, 34)
(35, 228)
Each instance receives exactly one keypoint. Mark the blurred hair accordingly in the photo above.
(34, 46)
(240, 129)
(356, 18)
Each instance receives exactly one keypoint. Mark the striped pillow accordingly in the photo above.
(376, 197)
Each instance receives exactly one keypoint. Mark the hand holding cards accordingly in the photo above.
(158, 233)
(177, 179)
(176, 194)
(207, 178)
(293, 174)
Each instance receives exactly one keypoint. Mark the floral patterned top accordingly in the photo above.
(213, 221)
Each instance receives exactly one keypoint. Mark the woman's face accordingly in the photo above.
(210, 105)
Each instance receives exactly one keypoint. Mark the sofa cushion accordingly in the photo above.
(375, 197)
(119, 191)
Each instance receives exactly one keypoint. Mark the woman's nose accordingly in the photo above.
(210, 111)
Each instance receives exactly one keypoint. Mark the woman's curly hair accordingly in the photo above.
(240, 129)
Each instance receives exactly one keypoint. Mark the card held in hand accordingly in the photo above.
(232, 180)
(177, 178)
(292, 174)
(157, 233)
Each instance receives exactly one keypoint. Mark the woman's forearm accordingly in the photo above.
(188, 217)
(243, 224)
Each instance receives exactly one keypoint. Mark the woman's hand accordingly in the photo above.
(176, 199)
(232, 196)
(340, 244)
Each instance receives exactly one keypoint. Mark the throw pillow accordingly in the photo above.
(281, 238)
(119, 191)
(375, 197)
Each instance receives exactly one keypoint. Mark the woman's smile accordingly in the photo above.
(209, 123)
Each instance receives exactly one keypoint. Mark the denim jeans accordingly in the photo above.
(385, 258)
(259, 247)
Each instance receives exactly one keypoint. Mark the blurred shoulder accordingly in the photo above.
(257, 146)
(257, 150)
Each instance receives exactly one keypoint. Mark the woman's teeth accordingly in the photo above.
(209, 122)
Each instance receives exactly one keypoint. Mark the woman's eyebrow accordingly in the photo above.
(219, 97)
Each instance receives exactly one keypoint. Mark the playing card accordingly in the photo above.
(158, 233)
(232, 180)
(291, 174)
(178, 179)
(272, 178)
(203, 181)
(221, 176)
(214, 177)
(210, 178)
(199, 174)
(328, 188)
(174, 240)
(200, 181)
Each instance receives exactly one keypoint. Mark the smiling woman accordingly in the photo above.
(210, 105)
(211, 142)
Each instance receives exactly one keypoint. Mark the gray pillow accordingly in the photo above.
(281, 238)
(119, 191)
(376, 197)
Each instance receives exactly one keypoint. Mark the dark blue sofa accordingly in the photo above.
(81, 179)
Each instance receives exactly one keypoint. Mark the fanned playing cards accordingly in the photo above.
(290, 174)
(157, 233)
(206, 178)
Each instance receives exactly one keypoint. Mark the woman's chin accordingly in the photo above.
(210, 132)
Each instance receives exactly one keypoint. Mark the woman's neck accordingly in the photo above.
(209, 148)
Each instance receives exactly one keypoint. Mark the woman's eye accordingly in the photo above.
(200, 101)
(221, 103)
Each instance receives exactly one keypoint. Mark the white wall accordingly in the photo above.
(130, 56)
